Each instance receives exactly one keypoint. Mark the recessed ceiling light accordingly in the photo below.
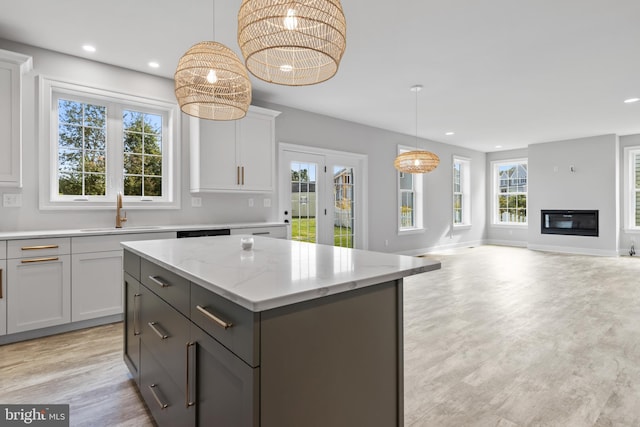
(89, 48)
(631, 100)
(153, 64)
(450, 133)
(498, 146)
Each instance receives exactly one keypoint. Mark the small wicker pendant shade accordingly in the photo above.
(416, 161)
(292, 43)
(211, 83)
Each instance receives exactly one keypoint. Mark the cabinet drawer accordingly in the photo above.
(277, 232)
(112, 242)
(131, 264)
(38, 248)
(165, 332)
(163, 397)
(167, 285)
(233, 326)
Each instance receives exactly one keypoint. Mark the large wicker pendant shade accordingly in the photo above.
(292, 43)
(212, 83)
(416, 161)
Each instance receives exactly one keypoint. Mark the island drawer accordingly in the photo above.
(167, 285)
(131, 264)
(235, 327)
(165, 332)
(38, 248)
(164, 398)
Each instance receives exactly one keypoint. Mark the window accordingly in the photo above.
(409, 200)
(632, 188)
(461, 192)
(100, 143)
(510, 192)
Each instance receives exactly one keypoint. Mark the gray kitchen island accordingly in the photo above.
(284, 334)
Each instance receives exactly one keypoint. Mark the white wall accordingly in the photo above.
(593, 185)
(292, 126)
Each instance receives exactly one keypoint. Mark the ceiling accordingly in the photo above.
(501, 74)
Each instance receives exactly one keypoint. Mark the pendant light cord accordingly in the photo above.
(417, 90)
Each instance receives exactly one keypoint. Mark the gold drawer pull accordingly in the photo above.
(26, 261)
(162, 335)
(35, 248)
(211, 316)
(160, 281)
(152, 388)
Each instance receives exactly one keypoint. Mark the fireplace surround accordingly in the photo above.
(569, 222)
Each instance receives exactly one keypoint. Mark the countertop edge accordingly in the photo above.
(106, 231)
(295, 298)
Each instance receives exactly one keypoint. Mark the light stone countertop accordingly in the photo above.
(98, 231)
(275, 272)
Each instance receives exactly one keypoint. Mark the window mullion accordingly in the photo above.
(114, 151)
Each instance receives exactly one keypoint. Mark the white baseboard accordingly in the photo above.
(573, 250)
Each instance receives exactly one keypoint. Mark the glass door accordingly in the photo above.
(321, 197)
(301, 172)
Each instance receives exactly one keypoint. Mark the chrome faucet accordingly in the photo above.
(119, 219)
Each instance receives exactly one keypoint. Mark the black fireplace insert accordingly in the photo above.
(573, 223)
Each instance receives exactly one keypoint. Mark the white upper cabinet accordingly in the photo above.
(12, 66)
(234, 156)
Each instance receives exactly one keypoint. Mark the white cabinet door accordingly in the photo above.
(12, 65)
(3, 295)
(213, 156)
(97, 285)
(40, 291)
(233, 156)
(257, 152)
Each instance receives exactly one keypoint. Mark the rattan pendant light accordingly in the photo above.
(416, 161)
(293, 43)
(212, 83)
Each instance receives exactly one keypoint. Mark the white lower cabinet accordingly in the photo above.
(40, 292)
(3, 288)
(97, 289)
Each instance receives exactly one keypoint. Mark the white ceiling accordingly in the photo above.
(495, 72)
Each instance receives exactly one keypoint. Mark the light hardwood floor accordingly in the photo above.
(498, 337)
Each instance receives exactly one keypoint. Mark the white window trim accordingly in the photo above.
(494, 194)
(629, 189)
(418, 188)
(465, 185)
(48, 90)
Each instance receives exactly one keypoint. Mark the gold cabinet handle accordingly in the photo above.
(238, 175)
(160, 281)
(152, 388)
(153, 326)
(214, 318)
(26, 261)
(242, 175)
(0, 283)
(35, 248)
(136, 330)
(188, 402)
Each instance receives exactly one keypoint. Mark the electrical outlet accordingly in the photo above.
(267, 203)
(250, 203)
(11, 200)
(196, 202)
